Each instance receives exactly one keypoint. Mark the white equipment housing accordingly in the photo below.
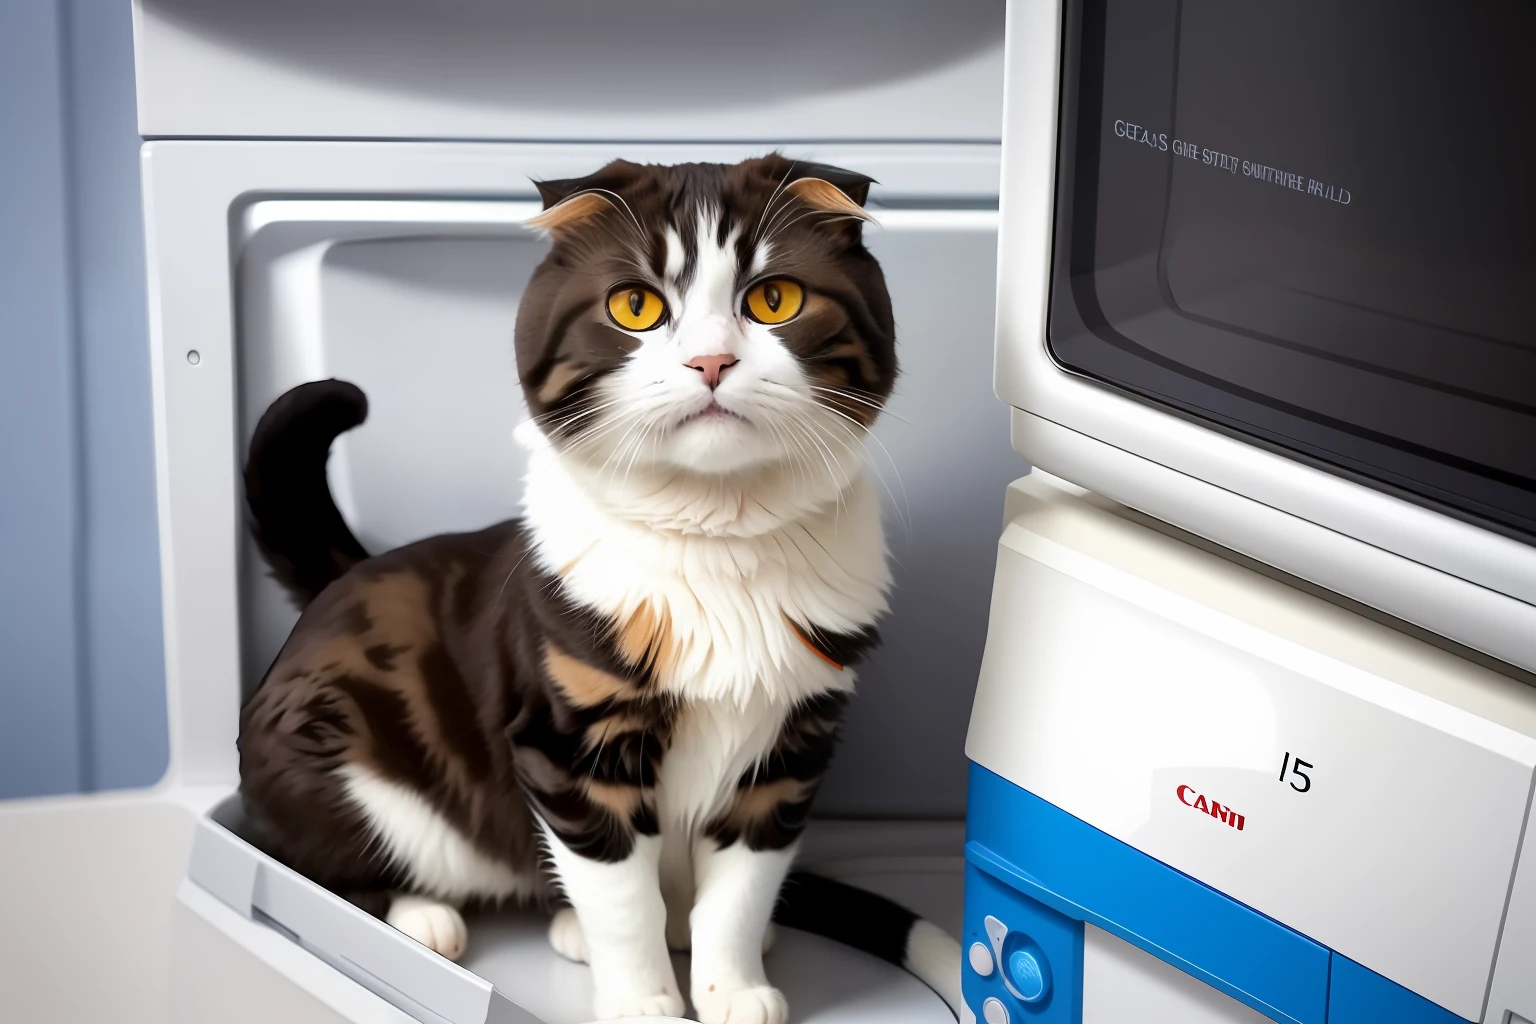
(1253, 739)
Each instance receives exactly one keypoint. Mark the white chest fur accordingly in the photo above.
(728, 597)
(729, 590)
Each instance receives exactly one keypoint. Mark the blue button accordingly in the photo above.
(1028, 976)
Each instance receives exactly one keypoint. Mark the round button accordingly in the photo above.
(1027, 976)
(993, 1011)
(981, 959)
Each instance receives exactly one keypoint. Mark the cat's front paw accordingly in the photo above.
(611, 1005)
(435, 925)
(757, 1004)
(566, 936)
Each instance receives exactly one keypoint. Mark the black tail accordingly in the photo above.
(869, 922)
(294, 519)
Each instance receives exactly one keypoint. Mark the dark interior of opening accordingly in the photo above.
(1312, 224)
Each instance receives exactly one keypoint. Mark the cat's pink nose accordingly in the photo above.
(712, 367)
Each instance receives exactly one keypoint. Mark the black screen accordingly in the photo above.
(1313, 223)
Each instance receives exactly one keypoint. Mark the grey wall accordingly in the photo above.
(82, 678)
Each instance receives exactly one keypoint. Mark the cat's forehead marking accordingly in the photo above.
(760, 253)
(676, 256)
(711, 282)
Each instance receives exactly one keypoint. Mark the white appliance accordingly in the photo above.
(339, 190)
(1255, 735)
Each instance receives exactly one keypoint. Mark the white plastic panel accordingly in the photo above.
(589, 69)
(1133, 680)
(424, 327)
(1455, 607)
(1122, 984)
(415, 303)
(511, 975)
(1514, 978)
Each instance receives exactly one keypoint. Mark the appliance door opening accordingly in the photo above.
(1311, 225)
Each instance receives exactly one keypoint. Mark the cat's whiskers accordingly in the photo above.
(501, 591)
(854, 396)
(772, 197)
(639, 444)
(627, 401)
(584, 411)
(797, 465)
(906, 507)
(617, 453)
(597, 430)
(771, 230)
(611, 194)
(829, 459)
(795, 455)
(569, 420)
(831, 218)
(794, 423)
(799, 404)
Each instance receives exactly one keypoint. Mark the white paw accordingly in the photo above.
(611, 1005)
(759, 1004)
(566, 936)
(435, 925)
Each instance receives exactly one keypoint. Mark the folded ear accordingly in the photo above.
(572, 201)
(850, 183)
(833, 191)
(820, 194)
(554, 191)
(567, 213)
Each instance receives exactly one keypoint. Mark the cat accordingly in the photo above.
(629, 695)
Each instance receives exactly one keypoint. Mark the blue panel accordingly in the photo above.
(1054, 942)
(1360, 996)
(40, 722)
(1084, 874)
(124, 665)
(82, 693)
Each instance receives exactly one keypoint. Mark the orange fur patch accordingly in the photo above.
(823, 195)
(855, 350)
(647, 639)
(559, 382)
(620, 800)
(568, 213)
(759, 802)
(605, 730)
(812, 647)
(583, 685)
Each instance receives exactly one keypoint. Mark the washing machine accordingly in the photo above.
(341, 190)
(1255, 729)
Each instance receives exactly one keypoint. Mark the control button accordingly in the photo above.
(981, 959)
(1028, 976)
(993, 1011)
(997, 932)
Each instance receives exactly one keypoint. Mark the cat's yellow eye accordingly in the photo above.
(635, 307)
(775, 301)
